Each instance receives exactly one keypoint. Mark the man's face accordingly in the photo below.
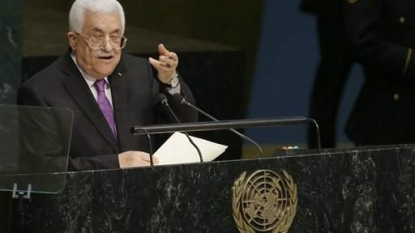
(97, 62)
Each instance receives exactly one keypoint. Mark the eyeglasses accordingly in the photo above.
(99, 42)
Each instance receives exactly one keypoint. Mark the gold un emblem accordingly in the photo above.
(264, 202)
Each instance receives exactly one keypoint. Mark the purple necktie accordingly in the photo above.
(105, 105)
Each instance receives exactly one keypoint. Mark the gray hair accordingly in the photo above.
(79, 7)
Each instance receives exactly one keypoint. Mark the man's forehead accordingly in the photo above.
(97, 16)
(97, 29)
(102, 22)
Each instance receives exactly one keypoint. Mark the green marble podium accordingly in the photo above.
(357, 190)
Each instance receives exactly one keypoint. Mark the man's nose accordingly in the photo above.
(108, 46)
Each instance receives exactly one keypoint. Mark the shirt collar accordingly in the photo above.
(89, 80)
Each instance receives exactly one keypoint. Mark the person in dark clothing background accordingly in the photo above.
(382, 35)
(333, 69)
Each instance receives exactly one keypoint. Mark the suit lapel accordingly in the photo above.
(119, 91)
(78, 89)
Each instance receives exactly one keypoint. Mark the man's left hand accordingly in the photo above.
(166, 65)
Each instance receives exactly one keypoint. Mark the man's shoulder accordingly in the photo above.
(130, 58)
(134, 64)
(51, 72)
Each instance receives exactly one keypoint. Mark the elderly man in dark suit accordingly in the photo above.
(333, 69)
(109, 91)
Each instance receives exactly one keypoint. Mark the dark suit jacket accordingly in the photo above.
(134, 92)
(322, 6)
(382, 33)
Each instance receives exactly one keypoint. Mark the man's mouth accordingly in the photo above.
(106, 57)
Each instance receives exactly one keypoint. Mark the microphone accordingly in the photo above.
(150, 145)
(166, 104)
(182, 100)
(156, 100)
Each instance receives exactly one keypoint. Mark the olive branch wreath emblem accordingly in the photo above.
(284, 223)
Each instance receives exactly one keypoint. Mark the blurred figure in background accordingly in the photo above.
(333, 69)
(382, 33)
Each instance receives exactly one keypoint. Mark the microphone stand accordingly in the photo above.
(150, 144)
(165, 103)
(184, 101)
(314, 122)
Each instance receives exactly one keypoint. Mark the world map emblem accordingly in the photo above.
(264, 202)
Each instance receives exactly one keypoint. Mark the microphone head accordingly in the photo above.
(161, 98)
(179, 98)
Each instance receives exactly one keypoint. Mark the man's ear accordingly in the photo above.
(72, 40)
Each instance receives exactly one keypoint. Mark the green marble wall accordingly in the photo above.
(10, 69)
(10, 49)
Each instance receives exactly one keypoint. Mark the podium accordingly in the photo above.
(355, 190)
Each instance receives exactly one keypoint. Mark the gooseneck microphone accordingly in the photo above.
(164, 101)
(150, 145)
(157, 100)
(182, 100)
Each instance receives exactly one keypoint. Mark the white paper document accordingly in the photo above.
(177, 149)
